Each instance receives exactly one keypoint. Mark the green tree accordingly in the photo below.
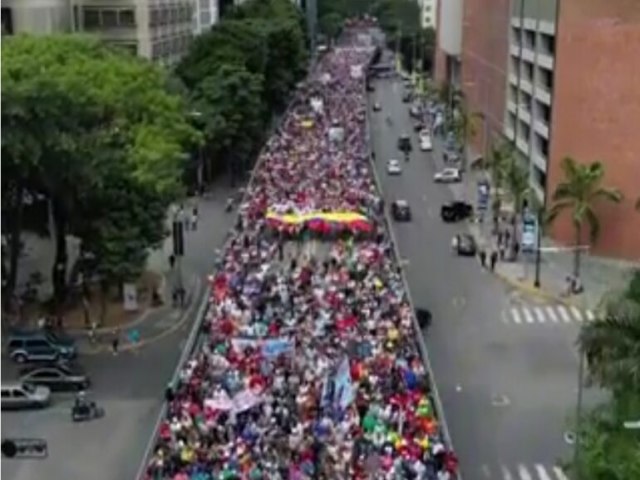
(578, 194)
(331, 24)
(90, 106)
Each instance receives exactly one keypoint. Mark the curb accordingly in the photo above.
(131, 347)
(535, 292)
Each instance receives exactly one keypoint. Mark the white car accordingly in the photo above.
(393, 167)
(448, 175)
(425, 143)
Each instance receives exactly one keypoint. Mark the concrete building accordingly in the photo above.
(36, 16)
(428, 13)
(557, 78)
(206, 14)
(448, 41)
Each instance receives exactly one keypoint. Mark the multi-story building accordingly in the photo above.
(428, 13)
(557, 78)
(35, 16)
(160, 30)
(205, 15)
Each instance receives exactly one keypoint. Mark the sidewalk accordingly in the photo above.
(599, 275)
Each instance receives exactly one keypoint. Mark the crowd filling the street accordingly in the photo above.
(309, 367)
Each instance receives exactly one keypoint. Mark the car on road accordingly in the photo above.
(406, 97)
(15, 396)
(466, 245)
(404, 143)
(40, 346)
(424, 317)
(401, 211)
(394, 167)
(426, 145)
(377, 107)
(455, 211)
(448, 175)
(370, 87)
(59, 377)
(415, 111)
(418, 126)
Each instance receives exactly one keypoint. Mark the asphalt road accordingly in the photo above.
(508, 392)
(129, 386)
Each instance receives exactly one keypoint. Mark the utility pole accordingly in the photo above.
(312, 16)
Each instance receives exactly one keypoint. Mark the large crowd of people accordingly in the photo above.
(309, 368)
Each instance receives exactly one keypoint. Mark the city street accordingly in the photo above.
(508, 387)
(129, 386)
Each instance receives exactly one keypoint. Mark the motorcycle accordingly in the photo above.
(81, 412)
(229, 206)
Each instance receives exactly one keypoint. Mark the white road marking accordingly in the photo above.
(528, 315)
(564, 314)
(539, 314)
(576, 313)
(590, 315)
(559, 473)
(486, 471)
(542, 472)
(551, 314)
(506, 475)
(524, 473)
(516, 315)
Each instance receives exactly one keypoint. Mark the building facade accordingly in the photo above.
(37, 17)
(556, 78)
(206, 14)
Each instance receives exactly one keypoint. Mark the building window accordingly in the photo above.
(515, 36)
(109, 18)
(546, 79)
(127, 18)
(530, 39)
(542, 146)
(540, 177)
(527, 71)
(513, 94)
(91, 17)
(511, 122)
(514, 64)
(547, 44)
(154, 17)
(7, 21)
(526, 102)
(524, 131)
(544, 112)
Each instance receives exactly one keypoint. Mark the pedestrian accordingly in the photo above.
(507, 237)
(494, 260)
(483, 258)
(194, 218)
(115, 342)
(172, 261)
(516, 250)
(454, 243)
(500, 238)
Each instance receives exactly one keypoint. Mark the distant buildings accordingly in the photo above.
(557, 78)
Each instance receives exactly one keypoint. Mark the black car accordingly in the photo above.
(466, 245)
(455, 211)
(424, 317)
(406, 97)
(57, 376)
(401, 211)
(418, 126)
(404, 143)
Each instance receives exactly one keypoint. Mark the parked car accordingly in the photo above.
(406, 97)
(377, 107)
(58, 377)
(401, 211)
(40, 346)
(17, 395)
(404, 143)
(455, 211)
(417, 126)
(448, 175)
(415, 111)
(424, 317)
(394, 167)
(466, 245)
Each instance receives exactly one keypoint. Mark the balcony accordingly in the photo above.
(508, 131)
(537, 189)
(528, 54)
(541, 128)
(545, 60)
(539, 161)
(514, 50)
(526, 85)
(543, 95)
(513, 78)
(522, 145)
(524, 115)
(512, 106)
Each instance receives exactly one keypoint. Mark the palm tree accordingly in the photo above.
(578, 193)
(612, 344)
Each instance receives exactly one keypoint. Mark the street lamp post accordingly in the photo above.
(196, 115)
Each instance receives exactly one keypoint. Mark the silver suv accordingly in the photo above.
(23, 395)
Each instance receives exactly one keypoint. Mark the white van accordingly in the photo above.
(24, 395)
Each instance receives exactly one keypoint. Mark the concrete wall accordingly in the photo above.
(484, 65)
(450, 26)
(597, 111)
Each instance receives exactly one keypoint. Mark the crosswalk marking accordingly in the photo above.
(559, 473)
(542, 472)
(576, 313)
(525, 472)
(564, 314)
(516, 315)
(546, 314)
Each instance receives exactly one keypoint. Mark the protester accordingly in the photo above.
(310, 368)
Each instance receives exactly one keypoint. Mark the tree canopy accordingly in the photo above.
(82, 120)
(261, 48)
